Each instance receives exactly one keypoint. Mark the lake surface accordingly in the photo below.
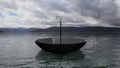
(18, 50)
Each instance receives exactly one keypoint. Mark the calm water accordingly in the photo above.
(20, 51)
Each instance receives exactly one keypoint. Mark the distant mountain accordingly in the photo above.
(13, 30)
(64, 29)
(79, 29)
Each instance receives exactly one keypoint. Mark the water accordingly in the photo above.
(20, 51)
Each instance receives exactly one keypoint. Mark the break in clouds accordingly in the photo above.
(42, 13)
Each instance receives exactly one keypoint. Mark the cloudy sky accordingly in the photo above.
(42, 13)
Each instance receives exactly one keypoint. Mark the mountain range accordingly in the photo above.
(64, 29)
(79, 29)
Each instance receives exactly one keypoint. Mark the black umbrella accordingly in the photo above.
(60, 45)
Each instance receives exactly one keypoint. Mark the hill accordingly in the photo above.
(64, 29)
(79, 29)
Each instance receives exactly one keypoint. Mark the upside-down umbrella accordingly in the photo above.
(61, 45)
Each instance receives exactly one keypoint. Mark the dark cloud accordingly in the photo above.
(105, 12)
(99, 9)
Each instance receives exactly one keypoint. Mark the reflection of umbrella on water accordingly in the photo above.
(78, 55)
(55, 60)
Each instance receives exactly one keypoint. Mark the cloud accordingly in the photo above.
(42, 13)
(8, 4)
(102, 11)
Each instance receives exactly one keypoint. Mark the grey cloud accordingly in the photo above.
(101, 10)
(70, 19)
(74, 11)
(11, 5)
(94, 8)
(40, 14)
(105, 12)
(51, 5)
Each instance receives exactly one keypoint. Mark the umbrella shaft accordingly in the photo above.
(60, 32)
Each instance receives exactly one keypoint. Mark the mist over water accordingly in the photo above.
(18, 50)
